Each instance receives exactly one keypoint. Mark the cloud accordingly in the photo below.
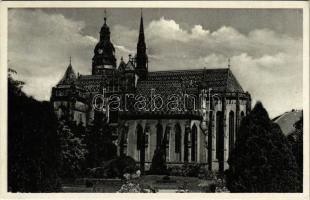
(39, 47)
(268, 64)
(124, 49)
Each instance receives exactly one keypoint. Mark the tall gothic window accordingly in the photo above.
(147, 135)
(242, 116)
(210, 138)
(159, 134)
(166, 140)
(231, 130)
(219, 134)
(177, 138)
(139, 136)
(124, 141)
(186, 143)
(194, 143)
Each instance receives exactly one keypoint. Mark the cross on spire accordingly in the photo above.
(70, 61)
(105, 16)
(228, 63)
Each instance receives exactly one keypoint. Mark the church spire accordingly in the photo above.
(141, 40)
(141, 57)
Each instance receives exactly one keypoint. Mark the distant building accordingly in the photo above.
(287, 120)
(198, 131)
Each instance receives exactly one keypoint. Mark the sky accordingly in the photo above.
(264, 46)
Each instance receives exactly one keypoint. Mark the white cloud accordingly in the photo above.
(124, 49)
(167, 29)
(40, 45)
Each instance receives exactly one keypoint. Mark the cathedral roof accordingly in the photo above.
(219, 80)
(189, 81)
(180, 82)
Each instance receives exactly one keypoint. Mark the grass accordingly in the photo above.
(147, 180)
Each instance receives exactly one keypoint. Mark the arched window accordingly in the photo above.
(166, 140)
(220, 140)
(124, 141)
(231, 130)
(242, 115)
(219, 134)
(177, 139)
(210, 138)
(147, 136)
(186, 146)
(139, 136)
(159, 134)
(194, 143)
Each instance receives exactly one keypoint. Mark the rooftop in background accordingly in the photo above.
(287, 120)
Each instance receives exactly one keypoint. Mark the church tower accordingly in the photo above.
(141, 56)
(104, 59)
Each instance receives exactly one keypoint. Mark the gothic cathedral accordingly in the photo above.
(199, 129)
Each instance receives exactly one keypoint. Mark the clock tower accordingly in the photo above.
(104, 59)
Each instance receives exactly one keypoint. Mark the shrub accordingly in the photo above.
(166, 178)
(175, 171)
(190, 170)
(212, 187)
(210, 175)
(119, 166)
(89, 184)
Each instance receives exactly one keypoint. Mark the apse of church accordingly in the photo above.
(201, 129)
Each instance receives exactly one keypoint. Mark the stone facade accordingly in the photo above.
(196, 117)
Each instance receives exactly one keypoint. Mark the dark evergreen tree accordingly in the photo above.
(33, 145)
(262, 160)
(99, 142)
(158, 165)
(296, 141)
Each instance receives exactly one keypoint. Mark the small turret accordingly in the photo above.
(69, 76)
(122, 65)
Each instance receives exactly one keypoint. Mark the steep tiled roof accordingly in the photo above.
(180, 82)
(91, 83)
(219, 80)
(69, 76)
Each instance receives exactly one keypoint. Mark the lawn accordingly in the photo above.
(147, 180)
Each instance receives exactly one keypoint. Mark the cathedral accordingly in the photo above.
(193, 114)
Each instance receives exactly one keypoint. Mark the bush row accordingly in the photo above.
(191, 170)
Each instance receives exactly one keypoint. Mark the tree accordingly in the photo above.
(296, 141)
(262, 160)
(158, 165)
(33, 145)
(99, 142)
(73, 149)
